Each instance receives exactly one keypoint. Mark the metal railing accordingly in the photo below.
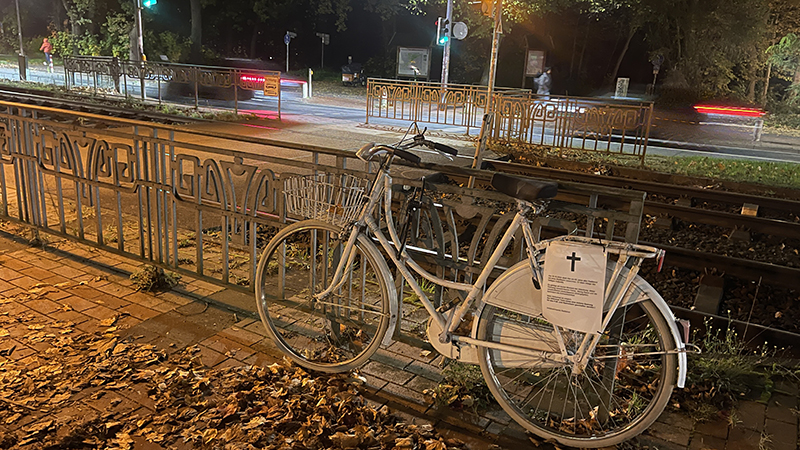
(422, 101)
(181, 79)
(523, 118)
(187, 201)
(597, 125)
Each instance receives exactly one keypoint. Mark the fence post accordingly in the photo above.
(158, 80)
(235, 80)
(115, 70)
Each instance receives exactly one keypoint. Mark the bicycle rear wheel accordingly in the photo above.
(334, 334)
(620, 393)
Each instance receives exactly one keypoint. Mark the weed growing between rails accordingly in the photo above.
(462, 387)
(727, 371)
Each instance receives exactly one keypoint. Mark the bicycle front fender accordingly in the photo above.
(514, 290)
(383, 268)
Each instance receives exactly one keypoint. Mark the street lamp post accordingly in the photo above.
(19, 30)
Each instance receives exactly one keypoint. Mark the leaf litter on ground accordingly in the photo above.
(279, 406)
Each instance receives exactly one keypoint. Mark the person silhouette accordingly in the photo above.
(47, 48)
(543, 82)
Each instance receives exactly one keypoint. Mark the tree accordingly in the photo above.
(197, 28)
(80, 13)
(785, 55)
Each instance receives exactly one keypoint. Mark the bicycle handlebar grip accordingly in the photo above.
(445, 149)
(408, 156)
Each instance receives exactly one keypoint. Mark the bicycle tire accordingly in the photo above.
(340, 332)
(550, 401)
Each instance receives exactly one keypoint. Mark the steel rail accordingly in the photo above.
(724, 219)
(698, 215)
(746, 269)
(651, 187)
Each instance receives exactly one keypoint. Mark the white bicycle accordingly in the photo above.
(327, 298)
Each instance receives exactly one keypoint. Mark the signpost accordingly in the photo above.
(326, 39)
(622, 87)
(534, 64)
(413, 62)
(286, 39)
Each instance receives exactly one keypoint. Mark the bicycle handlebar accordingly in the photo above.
(402, 150)
(408, 156)
(444, 148)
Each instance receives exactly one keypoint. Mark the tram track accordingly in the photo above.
(688, 258)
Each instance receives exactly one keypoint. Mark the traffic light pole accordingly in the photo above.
(139, 38)
(446, 50)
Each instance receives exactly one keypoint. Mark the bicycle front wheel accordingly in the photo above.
(623, 389)
(336, 333)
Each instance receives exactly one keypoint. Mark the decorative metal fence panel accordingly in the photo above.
(599, 125)
(205, 210)
(523, 118)
(422, 101)
(113, 73)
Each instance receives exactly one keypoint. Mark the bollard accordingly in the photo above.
(310, 91)
(23, 67)
(757, 130)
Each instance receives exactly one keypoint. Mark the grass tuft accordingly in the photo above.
(149, 278)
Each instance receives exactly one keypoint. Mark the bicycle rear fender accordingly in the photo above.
(514, 290)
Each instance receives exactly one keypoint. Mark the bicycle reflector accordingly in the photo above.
(662, 254)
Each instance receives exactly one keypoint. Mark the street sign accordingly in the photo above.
(622, 87)
(413, 62)
(286, 39)
(326, 38)
(272, 85)
(535, 63)
(460, 30)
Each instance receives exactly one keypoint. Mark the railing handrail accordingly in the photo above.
(475, 87)
(169, 64)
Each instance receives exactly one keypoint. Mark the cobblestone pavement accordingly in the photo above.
(86, 287)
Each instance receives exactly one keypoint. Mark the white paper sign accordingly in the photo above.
(574, 285)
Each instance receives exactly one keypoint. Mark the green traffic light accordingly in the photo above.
(149, 3)
(443, 40)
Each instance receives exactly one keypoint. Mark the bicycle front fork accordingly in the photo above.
(347, 259)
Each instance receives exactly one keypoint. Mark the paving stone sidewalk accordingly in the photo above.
(86, 287)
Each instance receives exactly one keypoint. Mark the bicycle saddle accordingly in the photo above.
(524, 189)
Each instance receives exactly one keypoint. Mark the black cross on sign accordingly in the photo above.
(573, 258)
